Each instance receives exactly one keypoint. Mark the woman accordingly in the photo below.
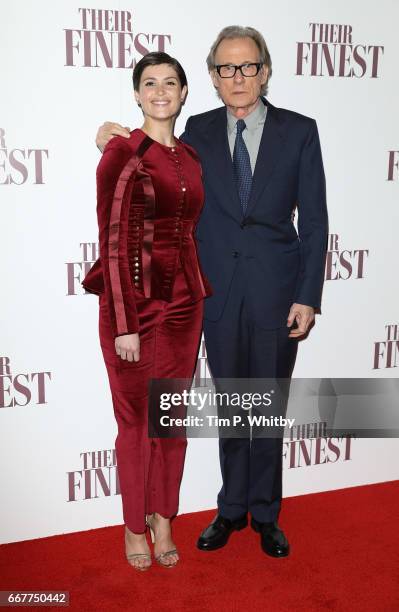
(151, 287)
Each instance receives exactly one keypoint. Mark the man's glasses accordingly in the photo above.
(228, 71)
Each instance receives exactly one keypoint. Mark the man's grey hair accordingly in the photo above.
(236, 31)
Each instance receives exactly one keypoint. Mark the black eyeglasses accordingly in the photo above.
(228, 71)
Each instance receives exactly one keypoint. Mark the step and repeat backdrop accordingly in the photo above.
(65, 69)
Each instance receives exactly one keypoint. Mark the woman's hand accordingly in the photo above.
(128, 347)
(107, 131)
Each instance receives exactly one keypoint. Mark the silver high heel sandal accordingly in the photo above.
(133, 556)
(162, 556)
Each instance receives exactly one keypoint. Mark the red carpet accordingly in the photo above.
(344, 556)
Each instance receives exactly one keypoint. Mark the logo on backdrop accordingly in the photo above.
(23, 388)
(310, 445)
(98, 476)
(19, 166)
(393, 165)
(331, 52)
(77, 270)
(386, 352)
(109, 39)
(344, 264)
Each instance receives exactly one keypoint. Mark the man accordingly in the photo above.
(259, 164)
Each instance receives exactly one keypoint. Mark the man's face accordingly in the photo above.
(239, 93)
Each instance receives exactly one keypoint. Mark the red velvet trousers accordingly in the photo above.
(150, 469)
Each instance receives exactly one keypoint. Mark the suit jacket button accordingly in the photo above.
(236, 254)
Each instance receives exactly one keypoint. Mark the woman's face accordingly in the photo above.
(160, 94)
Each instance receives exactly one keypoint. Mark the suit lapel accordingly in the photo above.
(270, 150)
(221, 165)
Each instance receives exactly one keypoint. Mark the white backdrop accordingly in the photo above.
(55, 402)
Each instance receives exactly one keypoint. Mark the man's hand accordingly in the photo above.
(107, 131)
(303, 315)
(128, 347)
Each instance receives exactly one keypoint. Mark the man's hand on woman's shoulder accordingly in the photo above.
(107, 131)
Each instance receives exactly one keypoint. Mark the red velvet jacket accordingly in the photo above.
(149, 198)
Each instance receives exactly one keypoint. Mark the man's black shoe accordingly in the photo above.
(218, 532)
(272, 538)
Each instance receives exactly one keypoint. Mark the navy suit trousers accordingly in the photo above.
(238, 348)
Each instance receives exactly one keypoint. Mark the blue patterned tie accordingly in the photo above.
(242, 167)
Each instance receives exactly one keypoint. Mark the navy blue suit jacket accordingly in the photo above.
(282, 266)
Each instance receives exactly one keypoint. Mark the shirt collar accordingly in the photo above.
(255, 118)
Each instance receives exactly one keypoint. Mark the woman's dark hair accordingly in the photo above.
(154, 59)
